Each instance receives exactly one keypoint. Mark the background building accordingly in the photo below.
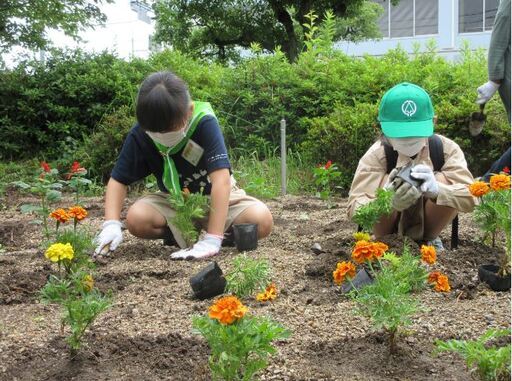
(447, 22)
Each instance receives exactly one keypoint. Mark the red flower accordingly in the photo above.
(506, 170)
(328, 164)
(75, 168)
(45, 166)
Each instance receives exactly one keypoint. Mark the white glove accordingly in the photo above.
(405, 196)
(429, 187)
(486, 91)
(390, 183)
(110, 236)
(208, 246)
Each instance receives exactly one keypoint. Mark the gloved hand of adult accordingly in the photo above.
(486, 91)
(110, 236)
(405, 196)
(206, 247)
(393, 182)
(429, 187)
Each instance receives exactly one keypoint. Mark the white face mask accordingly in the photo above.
(408, 146)
(168, 139)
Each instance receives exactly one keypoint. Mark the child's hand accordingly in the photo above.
(110, 237)
(208, 246)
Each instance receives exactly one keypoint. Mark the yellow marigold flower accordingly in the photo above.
(442, 284)
(59, 251)
(270, 293)
(343, 270)
(361, 236)
(88, 282)
(227, 309)
(479, 188)
(428, 254)
(60, 215)
(77, 212)
(500, 182)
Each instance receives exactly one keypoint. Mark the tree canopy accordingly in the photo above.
(216, 28)
(25, 22)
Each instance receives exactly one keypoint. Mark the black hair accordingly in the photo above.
(163, 102)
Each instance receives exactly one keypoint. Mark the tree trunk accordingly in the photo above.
(290, 46)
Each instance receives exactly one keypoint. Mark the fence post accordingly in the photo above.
(283, 157)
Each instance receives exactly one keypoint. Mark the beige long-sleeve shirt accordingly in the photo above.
(453, 179)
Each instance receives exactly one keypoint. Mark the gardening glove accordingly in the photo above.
(206, 247)
(486, 91)
(429, 187)
(393, 182)
(405, 196)
(109, 238)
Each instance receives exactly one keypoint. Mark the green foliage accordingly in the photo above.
(408, 269)
(241, 349)
(247, 276)
(490, 363)
(26, 23)
(189, 208)
(81, 303)
(326, 179)
(366, 216)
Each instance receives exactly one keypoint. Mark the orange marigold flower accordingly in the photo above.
(500, 182)
(433, 276)
(479, 188)
(270, 293)
(379, 249)
(343, 270)
(428, 254)
(363, 251)
(442, 284)
(227, 309)
(77, 212)
(60, 215)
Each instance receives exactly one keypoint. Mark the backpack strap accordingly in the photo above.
(435, 146)
(391, 156)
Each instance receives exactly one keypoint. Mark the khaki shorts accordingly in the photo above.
(238, 202)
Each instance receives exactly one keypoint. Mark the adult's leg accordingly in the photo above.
(257, 214)
(144, 221)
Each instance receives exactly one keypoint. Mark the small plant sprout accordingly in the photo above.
(189, 208)
(240, 343)
(247, 276)
(325, 177)
(489, 363)
(366, 216)
(493, 212)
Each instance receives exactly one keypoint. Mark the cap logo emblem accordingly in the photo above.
(409, 108)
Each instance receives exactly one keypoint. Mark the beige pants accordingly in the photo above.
(238, 202)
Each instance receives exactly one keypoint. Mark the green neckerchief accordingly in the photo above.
(170, 176)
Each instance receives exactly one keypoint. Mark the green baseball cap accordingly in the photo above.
(406, 111)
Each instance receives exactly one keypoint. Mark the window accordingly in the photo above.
(409, 18)
(476, 15)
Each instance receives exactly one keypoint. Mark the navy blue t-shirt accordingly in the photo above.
(139, 158)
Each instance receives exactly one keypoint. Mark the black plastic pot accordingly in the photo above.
(361, 279)
(489, 275)
(246, 236)
(405, 175)
(208, 282)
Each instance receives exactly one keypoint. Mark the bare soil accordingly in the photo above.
(147, 334)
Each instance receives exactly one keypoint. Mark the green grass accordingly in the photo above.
(262, 178)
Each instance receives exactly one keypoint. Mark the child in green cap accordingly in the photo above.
(421, 212)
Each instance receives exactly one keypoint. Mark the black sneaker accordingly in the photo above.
(169, 238)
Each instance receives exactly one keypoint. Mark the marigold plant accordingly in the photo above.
(344, 270)
(439, 281)
(269, 294)
(361, 236)
(368, 251)
(77, 212)
(500, 182)
(428, 254)
(227, 310)
(88, 282)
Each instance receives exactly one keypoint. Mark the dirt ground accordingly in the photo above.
(147, 334)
